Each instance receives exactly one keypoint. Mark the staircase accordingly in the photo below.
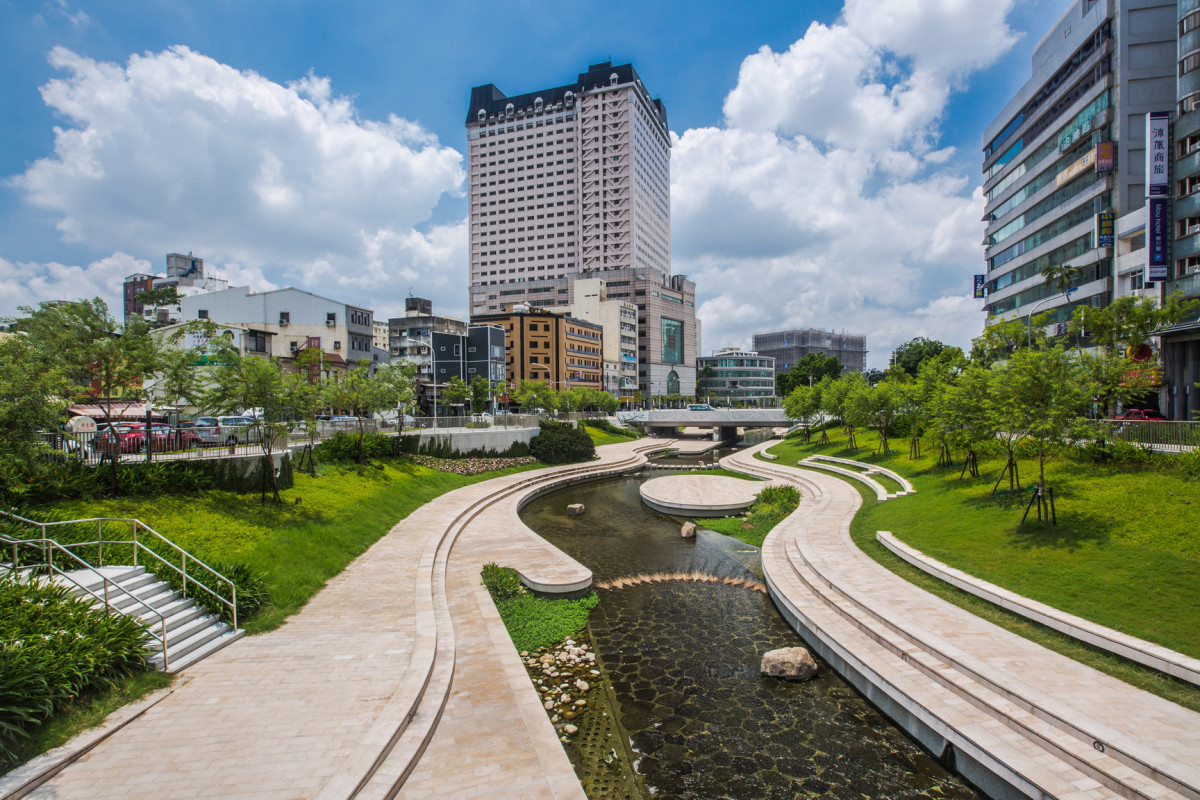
(191, 631)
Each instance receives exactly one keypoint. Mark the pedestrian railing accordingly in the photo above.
(137, 543)
(1161, 435)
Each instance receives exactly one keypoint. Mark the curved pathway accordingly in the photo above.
(400, 652)
(1018, 720)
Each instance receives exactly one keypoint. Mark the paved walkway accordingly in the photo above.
(341, 701)
(1041, 722)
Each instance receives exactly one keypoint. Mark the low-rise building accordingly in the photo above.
(544, 346)
(618, 318)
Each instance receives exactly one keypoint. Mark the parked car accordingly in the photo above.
(132, 437)
(1140, 415)
(238, 430)
(700, 407)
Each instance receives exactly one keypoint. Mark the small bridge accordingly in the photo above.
(727, 420)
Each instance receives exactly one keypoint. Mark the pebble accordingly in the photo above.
(570, 729)
(580, 703)
(548, 705)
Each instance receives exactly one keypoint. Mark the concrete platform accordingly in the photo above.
(704, 495)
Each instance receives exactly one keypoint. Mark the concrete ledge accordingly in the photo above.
(870, 469)
(1167, 661)
(881, 493)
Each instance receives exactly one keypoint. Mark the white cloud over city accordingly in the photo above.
(272, 184)
(825, 199)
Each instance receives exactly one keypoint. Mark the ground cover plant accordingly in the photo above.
(56, 649)
(1123, 553)
(534, 622)
(772, 506)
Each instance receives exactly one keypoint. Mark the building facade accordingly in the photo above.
(477, 353)
(574, 181)
(185, 273)
(543, 346)
(618, 318)
(300, 320)
(410, 338)
(788, 347)
(736, 377)
(1068, 152)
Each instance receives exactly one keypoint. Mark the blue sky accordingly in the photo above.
(827, 181)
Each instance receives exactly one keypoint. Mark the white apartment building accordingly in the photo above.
(574, 181)
(299, 320)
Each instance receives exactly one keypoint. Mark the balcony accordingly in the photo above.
(1189, 285)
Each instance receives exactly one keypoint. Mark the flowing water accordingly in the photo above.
(682, 660)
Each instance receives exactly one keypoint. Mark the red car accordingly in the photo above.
(1140, 415)
(131, 438)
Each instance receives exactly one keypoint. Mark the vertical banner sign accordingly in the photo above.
(1158, 225)
(1157, 181)
(979, 284)
(1106, 156)
(1104, 229)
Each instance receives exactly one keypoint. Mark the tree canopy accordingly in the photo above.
(808, 371)
(909, 356)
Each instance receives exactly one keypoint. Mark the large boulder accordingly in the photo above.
(575, 509)
(794, 663)
(688, 531)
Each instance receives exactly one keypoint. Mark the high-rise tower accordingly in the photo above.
(575, 181)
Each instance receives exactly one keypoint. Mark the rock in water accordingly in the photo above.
(789, 662)
(575, 509)
(688, 531)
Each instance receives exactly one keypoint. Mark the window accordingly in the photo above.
(672, 342)
(331, 318)
(202, 314)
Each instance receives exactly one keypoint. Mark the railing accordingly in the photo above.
(44, 547)
(1163, 435)
(138, 546)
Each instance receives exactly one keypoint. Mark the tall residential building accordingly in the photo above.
(574, 181)
(788, 347)
(1066, 157)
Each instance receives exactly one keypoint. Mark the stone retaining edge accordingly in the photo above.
(1163, 659)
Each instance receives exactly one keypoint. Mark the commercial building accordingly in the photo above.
(735, 377)
(788, 347)
(574, 181)
(477, 353)
(1066, 157)
(618, 318)
(410, 338)
(301, 320)
(543, 346)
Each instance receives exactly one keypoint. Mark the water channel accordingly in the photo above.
(682, 660)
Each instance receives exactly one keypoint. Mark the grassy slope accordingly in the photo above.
(298, 547)
(1122, 553)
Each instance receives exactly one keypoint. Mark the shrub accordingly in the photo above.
(54, 648)
(608, 427)
(501, 582)
(561, 443)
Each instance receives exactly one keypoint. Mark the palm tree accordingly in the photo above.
(1059, 278)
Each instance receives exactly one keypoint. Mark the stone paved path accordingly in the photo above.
(973, 682)
(298, 712)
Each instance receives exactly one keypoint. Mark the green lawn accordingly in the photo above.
(1124, 553)
(322, 525)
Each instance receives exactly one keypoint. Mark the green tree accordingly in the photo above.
(1060, 277)
(910, 355)
(253, 382)
(481, 392)
(455, 392)
(919, 398)
(1001, 337)
(304, 394)
(876, 407)
(98, 360)
(804, 406)
(1129, 321)
(960, 415)
(535, 394)
(810, 369)
(31, 398)
(364, 391)
(1042, 395)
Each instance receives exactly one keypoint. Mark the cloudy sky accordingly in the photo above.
(825, 169)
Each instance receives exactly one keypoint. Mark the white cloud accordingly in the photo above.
(30, 283)
(828, 186)
(280, 184)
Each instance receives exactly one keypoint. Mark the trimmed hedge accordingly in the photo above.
(343, 447)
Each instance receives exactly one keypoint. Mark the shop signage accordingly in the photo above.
(1076, 169)
(1106, 156)
(1158, 182)
(979, 286)
(1104, 229)
(1158, 226)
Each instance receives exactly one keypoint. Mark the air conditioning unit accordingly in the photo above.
(330, 323)
(294, 346)
(283, 322)
(337, 345)
(1060, 328)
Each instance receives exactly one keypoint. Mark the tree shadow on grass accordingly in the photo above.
(1075, 529)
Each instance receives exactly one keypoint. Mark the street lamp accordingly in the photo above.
(1029, 317)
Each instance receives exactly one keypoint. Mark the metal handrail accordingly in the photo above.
(185, 556)
(50, 544)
